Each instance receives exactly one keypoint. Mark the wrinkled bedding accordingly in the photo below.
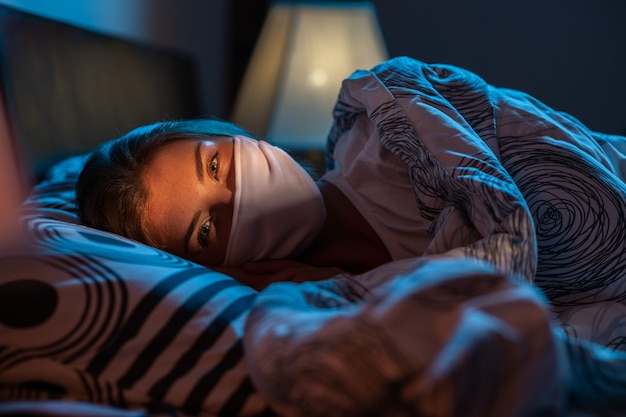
(463, 330)
(442, 340)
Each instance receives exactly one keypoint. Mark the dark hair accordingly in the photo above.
(110, 194)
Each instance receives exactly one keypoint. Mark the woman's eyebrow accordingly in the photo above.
(190, 229)
(199, 168)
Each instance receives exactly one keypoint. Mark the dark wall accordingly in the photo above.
(246, 21)
(571, 54)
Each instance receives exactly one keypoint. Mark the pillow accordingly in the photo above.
(90, 316)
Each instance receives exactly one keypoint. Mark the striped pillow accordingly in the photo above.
(90, 316)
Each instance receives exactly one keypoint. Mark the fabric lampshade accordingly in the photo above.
(304, 51)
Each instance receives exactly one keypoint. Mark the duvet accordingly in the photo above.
(441, 335)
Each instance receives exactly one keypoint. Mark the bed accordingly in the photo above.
(95, 324)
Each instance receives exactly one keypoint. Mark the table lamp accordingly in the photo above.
(304, 51)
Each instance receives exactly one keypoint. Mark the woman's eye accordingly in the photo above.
(213, 165)
(203, 234)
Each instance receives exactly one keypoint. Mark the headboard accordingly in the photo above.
(68, 89)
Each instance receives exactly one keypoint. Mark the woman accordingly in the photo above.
(178, 186)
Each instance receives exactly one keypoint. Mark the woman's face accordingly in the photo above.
(189, 210)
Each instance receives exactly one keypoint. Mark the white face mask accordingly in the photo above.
(278, 209)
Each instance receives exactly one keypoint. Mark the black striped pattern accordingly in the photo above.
(133, 326)
(534, 184)
(450, 165)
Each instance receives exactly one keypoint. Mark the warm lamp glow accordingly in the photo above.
(303, 53)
